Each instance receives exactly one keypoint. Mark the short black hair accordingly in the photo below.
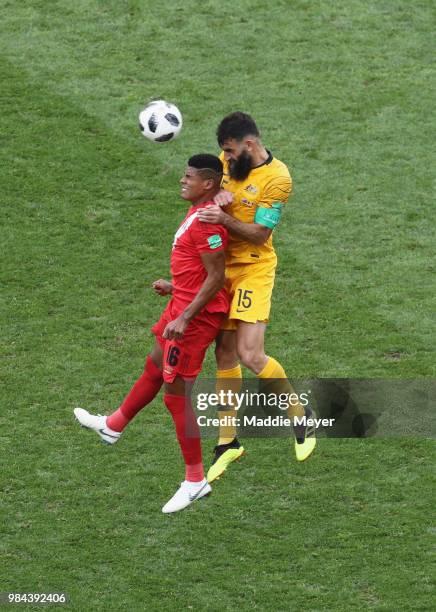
(237, 125)
(204, 161)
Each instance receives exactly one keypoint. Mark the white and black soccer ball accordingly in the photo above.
(160, 121)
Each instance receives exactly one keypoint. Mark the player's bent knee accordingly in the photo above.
(253, 360)
(176, 387)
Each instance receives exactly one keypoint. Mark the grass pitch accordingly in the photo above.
(342, 93)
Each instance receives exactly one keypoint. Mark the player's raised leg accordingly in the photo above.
(145, 389)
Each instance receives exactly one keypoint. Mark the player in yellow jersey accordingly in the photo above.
(255, 188)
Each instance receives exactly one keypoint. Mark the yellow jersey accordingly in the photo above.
(265, 185)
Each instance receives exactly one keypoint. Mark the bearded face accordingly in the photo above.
(240, 167)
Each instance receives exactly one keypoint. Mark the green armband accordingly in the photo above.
(269, 217)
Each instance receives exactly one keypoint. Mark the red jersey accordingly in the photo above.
(187, 270)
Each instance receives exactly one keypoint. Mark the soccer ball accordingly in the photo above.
(160, 121)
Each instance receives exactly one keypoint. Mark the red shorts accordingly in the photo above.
(185, 357)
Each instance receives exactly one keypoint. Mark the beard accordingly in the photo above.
(240, 168)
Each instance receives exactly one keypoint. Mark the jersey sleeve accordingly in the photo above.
(208, 238)
(277, 190)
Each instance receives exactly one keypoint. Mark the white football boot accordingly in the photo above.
(187, 493)
(98, 424)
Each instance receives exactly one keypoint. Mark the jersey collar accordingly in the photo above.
(266, 162)
(192, 208)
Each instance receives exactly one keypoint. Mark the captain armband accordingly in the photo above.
(269, 217)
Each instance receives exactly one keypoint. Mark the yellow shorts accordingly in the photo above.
(250, 288)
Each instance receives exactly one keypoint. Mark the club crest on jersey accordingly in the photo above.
(247, 202)
(251, 189)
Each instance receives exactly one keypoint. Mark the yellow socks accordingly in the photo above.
(273, 370)
(231, 380)
(228, 380)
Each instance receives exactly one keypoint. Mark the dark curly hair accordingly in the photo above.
(236, 125)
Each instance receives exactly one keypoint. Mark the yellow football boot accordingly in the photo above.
(305, 449)
(305, 446)
(224, 455)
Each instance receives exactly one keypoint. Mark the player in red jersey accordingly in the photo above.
(187, 326)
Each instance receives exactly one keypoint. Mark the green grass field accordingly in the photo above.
(342, 93)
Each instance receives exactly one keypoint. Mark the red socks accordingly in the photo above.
(188, 435)
(142, 393)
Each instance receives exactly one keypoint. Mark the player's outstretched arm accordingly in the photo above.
(252, 232)
(215, 266)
